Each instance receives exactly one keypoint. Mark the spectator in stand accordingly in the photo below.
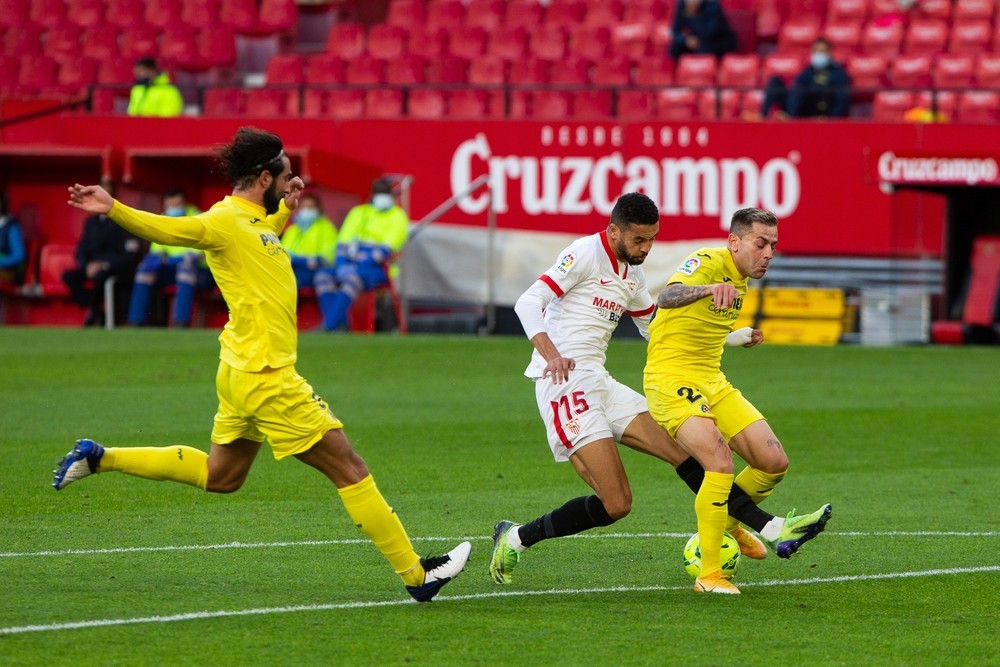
(12, 252)
(153, 94)
(310, 241)
(104, 250)
(371, 236)
(700, 26)
(822, 89)
(167, 266)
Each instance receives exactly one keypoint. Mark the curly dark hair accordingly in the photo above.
(250, 153)
(634, 208)
(743, 219)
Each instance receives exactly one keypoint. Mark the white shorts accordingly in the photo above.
(591, 406)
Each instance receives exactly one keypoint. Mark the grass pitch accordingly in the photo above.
(118, 570)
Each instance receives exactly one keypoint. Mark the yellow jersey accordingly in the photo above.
(693, 336)
(250, 266)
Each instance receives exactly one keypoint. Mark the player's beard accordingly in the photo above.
(623, 255)
(272, 199)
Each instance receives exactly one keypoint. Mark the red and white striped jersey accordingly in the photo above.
(580, 300)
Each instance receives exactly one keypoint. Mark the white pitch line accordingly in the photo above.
(263, 611)
(323, 543)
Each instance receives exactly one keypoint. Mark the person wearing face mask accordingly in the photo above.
(371, 236)
(166, 266)
(311, 240)
(153, 94)
(822, 89)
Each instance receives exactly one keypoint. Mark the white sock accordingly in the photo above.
(773, 529)
(514, 540)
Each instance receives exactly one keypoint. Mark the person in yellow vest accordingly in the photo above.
(371, 236)
(165, 266)
(311, 240)
(153, 94)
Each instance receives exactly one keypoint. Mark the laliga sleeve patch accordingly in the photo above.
(565, 263)
(689, 266)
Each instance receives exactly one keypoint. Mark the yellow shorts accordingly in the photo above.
(276, 403)
(674, 398)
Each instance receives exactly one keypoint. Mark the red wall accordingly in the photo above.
(819, 176)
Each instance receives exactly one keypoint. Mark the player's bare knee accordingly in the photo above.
(224, 485)
(618, 508)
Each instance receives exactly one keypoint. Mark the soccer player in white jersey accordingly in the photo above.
(569, 314)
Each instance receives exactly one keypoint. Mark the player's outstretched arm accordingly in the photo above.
(677, 295)
(90, 198)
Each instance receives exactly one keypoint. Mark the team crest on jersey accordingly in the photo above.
(630, 284)
(689, 266)
(573, 426)
(565, 263)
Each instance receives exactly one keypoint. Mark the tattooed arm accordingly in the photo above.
(676, 295)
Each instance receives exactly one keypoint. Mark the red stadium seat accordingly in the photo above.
(630, 39)
(551, 104)
(75, 76)
(178, 48)
(125, 13)
(953, 70)
(384, 103)
(566, 12)
(406, 13)
(272, 102)
(607, 13)
(644, 11)
(660, 36)
(892, 105)
(654, 72)
(932, 9)
(786, 66)
(86, 13)
(979, 106)
(591, 104)
(111, 72)
(752, 102)
(448, 70)
(364, 71)
(798, 35)
(62, 42)
(884, 40)
(346, 40)
(573, 71)
(548, 42)
(48, 13)
(36, 74)
(523, 13)
(944, 102)
(676, 104)
(488, 71)
(285, 69)
(14, 13)
(695, 70)
(868, 73)
(216, 47)
(793, 9)
(739, 70)
(276, 16)
(431, 43)
(468, 43)
(8, 75)
(445, 14)
(101, 43)
(589, 42)
(529, 71)
(611, 71)
(844, 38)
(636, 105)
(54, 260)
(975, 10)
(163, 13)
(345, 103)
(987, 72)
(200, 13)
(223, 102)
(970, 36)
(314, 103)
(468, 103)
(406, 70)
(485, 14)
(142, 42)
(426, 103)
(910, 71)
(926, 36)
(721, 104)
(23, 41)
(238, 15)
(506, 42)
(848, 10)
(324, 69)
(386, 41)
(744, 24)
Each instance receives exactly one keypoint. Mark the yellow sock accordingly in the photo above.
(379, 522)
(711, 507)
(758, 485)
(177, 463)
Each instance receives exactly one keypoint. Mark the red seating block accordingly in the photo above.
(611, 71)
(163, 13)
(446, 14)
(589, 42)
(223, 102)
(551, 104)
(386, 41)
(406, 70)
(891, 105)
(591, 104)
(654, 71)
(141, 42)
(346, 40)
(429, 43)
(953, 70)
(488, 71)
(23, 41)
(272, 102)
(607, 13)
(797, 36)
(910, 71)
(200, 13)
(36, 74)
(976, 10)
(15, 13)
(468, 43)
(676, 104)
(468, 103)
(285, 69)
(486, 14)
(384, 103)
(847, 10)
(573, 71)
(324, 69)
(695, 70)
(721, 104)
(867, 72)
(62, 42)
(636, 105)
(928, 36)
(529, 71)
(54, 260)
(739, 70)
(979, 106)
(969, 36)
(509, 42)
(630, 39)
(448, 70)
(932, 9)
(987, 72)
(844, 37)
(345, 103)
(365, 71)
(548, 42)
(101, 43)
(86, 13)
(886, 40)
(523, 13)
(406, 13)
(426, 103)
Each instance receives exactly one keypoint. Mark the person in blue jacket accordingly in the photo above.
(822, 89)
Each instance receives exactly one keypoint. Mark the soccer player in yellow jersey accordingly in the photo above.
(260, 394)
(709, 418)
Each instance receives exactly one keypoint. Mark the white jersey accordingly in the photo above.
(580, 300)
